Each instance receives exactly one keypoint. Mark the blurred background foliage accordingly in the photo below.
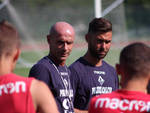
(137, 16)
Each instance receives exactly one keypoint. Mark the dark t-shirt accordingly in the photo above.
(58, 80)
(88, 81)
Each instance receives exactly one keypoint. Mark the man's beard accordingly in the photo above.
(96, 55)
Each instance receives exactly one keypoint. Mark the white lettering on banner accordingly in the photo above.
(65, 93)
(123, 105)
(101, 90)
(10, 88)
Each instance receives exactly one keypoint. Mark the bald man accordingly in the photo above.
(52, 68)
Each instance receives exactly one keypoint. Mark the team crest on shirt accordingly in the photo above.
(101, 80)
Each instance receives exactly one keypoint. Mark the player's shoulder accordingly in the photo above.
(12, 77)
(38, 85)
(108, 66)
(78, 64)
(42, 63)
(15, 76)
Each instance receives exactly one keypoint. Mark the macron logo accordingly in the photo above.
(10, 88)
(99, 72)
(123, 105)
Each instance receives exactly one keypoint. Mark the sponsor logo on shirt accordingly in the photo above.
(123, 105)
(65, 93)
(11, 88)
(63, 73)
(101, 90)
(99, 72)
(67, 105)
(67, 102)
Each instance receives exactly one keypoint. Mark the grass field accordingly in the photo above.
(30, 56)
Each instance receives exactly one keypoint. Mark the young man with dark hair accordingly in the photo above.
(90, 74)
(19, 94)
(134, 68)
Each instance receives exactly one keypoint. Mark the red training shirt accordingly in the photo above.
(15, 96)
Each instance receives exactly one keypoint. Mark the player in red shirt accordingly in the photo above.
(19, 94)
(134, 69)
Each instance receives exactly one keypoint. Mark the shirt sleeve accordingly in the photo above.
(116, 80)
(40, 72)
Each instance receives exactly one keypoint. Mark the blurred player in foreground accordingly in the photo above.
(134, 69)
(19, 94)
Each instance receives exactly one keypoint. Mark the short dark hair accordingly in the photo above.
(9, 38)
(135, 58)
(101, 25)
